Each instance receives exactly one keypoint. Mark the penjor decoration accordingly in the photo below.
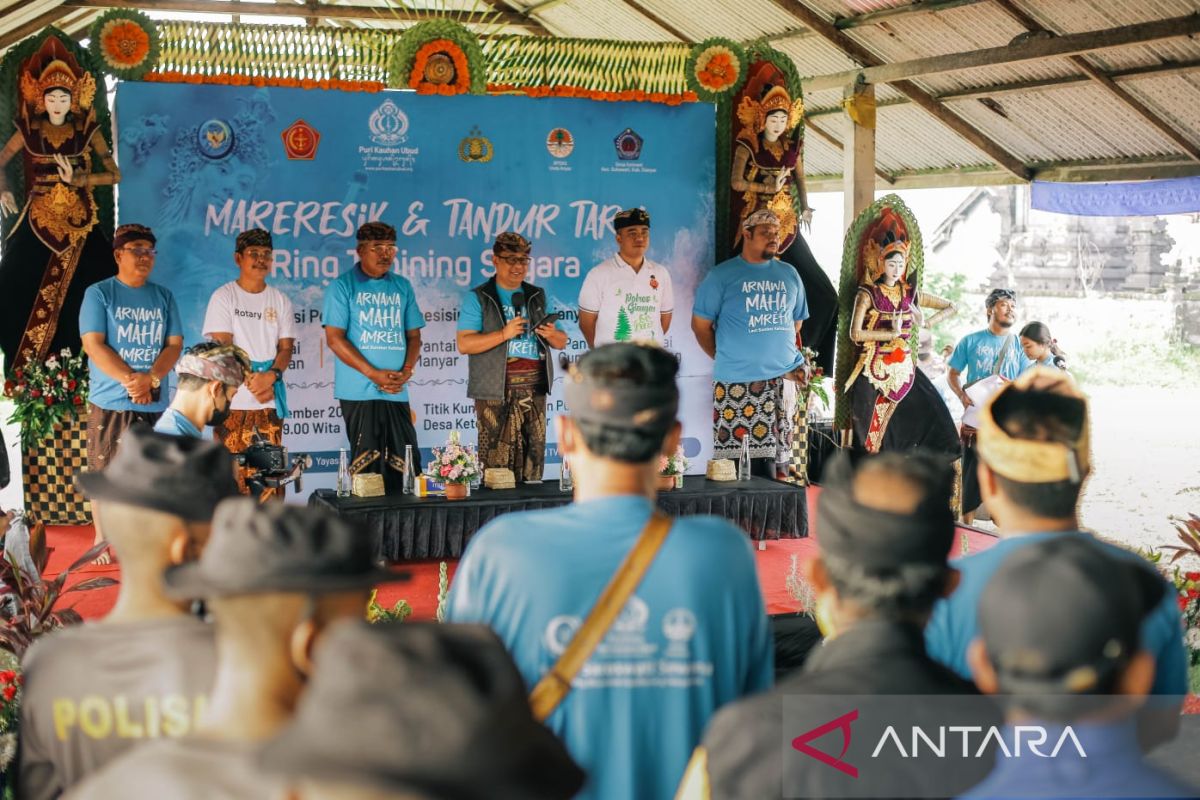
(55, 249)
(883, 398)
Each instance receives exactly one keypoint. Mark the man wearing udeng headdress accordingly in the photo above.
(56, 248)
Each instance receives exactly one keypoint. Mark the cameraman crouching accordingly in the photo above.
(210, 374)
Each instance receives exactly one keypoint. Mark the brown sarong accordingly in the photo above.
(512, 431)
(105, 429)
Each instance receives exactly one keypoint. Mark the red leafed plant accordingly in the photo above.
(28, 603)
(1189, 533)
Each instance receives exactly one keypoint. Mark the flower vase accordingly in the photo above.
(456, 491)
(666, 483)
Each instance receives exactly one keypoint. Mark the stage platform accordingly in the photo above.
(412, 528)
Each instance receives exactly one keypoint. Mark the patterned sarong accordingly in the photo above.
(758, 410)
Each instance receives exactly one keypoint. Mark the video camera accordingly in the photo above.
(269, 463)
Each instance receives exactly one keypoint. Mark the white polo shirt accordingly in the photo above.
(628, 303)
(257, 322)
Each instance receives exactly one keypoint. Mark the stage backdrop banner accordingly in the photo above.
(202, 163)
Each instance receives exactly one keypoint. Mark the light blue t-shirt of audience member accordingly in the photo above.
(376, 314)
(136, 323)
(754, 308)
(693, 637)
(955, 621)
(470, 318)
(976, 353)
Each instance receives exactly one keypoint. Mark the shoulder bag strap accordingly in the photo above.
(1002, 356)
(556, 684)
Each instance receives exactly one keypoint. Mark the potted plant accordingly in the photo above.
(671, 469)
(454, 466)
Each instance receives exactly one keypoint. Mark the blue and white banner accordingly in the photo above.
(1128, 199)
(202, 163)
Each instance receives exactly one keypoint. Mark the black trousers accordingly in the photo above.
(384, 426)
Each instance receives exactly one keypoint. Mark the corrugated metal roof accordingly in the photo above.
(1075, 122)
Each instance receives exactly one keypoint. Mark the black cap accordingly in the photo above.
(376, 232)
(278, 548)
(430, 710)
(180, 475)
(996, 295)
(252, 237)
(1061, 614)
(629, 218)
(883, 540)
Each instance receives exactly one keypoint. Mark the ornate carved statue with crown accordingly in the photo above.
(56, 249)
(767, 172)
(883, 398)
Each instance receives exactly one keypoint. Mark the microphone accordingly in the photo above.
(518, 303)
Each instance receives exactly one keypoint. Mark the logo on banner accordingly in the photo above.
(629, 145)
(214, 139)
(388, 124)
(560, 143)
(475, 147)
(841, 724)
(300, 141)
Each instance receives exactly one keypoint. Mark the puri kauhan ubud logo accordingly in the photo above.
(388, 124)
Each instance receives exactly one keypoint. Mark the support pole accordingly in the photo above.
(858, 166)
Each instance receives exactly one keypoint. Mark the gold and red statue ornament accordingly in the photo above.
(768, 159)
(56, 248)
(892, 405)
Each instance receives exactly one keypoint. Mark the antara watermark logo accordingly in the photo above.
(944, 741)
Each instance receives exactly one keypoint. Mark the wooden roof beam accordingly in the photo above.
(889, 14)
(33, 26)
(1033, 49)
(1122, 94)
(536, 24)
(318, 10)
(860, 54)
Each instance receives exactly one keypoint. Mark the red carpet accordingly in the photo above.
(421, 592)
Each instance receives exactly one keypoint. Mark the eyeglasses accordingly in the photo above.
(522, 261)
(141, 252)
(383, 249)
(258, 254)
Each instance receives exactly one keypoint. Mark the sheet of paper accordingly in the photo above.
(979, 392)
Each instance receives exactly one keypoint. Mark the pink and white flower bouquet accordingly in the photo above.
(454, 463)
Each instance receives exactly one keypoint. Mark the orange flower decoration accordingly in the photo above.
(462, 74)
(125, 44)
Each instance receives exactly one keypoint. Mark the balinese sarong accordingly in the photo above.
(757, 410)
(385, 426)
(512, 431)
(105, 429)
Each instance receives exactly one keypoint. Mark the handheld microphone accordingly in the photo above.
(518, 303)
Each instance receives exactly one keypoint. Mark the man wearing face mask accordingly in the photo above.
(508, 373)
(210, 374)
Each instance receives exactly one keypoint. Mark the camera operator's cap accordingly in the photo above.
(1029, 460)
(210, 361)
(1063, 612)
(255, 549)
(181, 475)
(884, 540)
(451, 693)
(511, 242)
(631, 217)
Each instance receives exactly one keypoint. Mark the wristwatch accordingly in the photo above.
(278, 373)
(155, 382)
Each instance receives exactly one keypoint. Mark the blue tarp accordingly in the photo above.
(1136, 198)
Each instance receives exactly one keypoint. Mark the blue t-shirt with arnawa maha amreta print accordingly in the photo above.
(136, 323)
(754, 308)
(977, 355)
(693, 636)
(376, 314)
(470, 318)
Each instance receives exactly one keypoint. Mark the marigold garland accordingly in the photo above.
(126, 43)
(462, 72)
(629, 95)
(227, 79)
(716, 69)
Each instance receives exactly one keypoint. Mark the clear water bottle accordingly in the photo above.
(566, 482)
(409, 485)
(343, 474)
(744, 463)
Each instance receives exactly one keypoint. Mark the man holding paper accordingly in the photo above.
(989, 358)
